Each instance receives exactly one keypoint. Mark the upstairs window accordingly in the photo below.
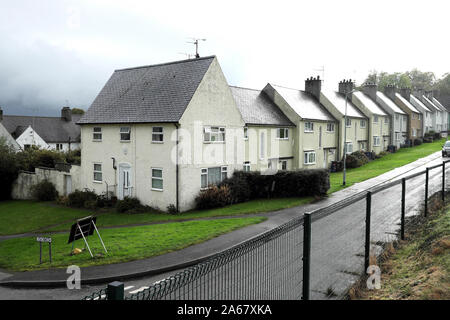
(330, 127)
(214, 134)
(59, 146)
(375, 119)
(97, 134)
(362, 123)
(348, 122)
(283, 133)
(309, 126)
(386, 120)
(125, 134)
(245, 133)
(157, 134)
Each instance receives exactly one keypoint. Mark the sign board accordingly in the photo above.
(44, 239)
(82, 228)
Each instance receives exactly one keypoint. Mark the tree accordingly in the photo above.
(9, 169)
(443, 85)
(77, 111)
(414, 79)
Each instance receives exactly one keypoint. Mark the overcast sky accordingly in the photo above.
(57, 51)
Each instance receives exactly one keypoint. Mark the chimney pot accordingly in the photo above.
(66, 114)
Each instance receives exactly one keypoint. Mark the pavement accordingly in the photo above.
(164, 264)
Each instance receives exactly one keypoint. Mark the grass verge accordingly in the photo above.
(387, 163)
(418, 269)
(124, 244)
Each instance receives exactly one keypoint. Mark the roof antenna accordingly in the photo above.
(196, 45)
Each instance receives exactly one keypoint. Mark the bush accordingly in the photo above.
(239, 187)
(9, 168)
(418, 142)
(78, 198)
(73, 156)
(62, 200)
(437, 136)
(128, 204)
(171, 209)
(213, 197)
(361, 156)
(44, 191)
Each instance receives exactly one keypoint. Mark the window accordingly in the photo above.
(247, 166)
(375, 119)
(413, 132)
(157, 179)
(362, 123)
(262, 146)
(413, 116)
(376, 141)
(420, 116)
(283, 164)
(245, 133)
(59, 146)
(97, 172)
(349, 147)
(214, 134)
(386, 120)
(211, 176)
(363, 145)
(309, 126)
(283, 133)
(97, 134)
(348, 122)
(310, 157)
(125, 134)
(158, 134)
(397, 136)
(396, 117)
(330, 127)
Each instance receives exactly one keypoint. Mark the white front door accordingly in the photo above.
(125, 186)
(68, 184)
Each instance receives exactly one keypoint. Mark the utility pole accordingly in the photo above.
(195, 42)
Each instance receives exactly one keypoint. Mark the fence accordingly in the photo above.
(316, 256)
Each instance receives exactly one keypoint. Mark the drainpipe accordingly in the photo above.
(176, 168)
(115, 175)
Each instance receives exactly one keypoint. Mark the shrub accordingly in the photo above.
(9, 168)
(62, 200)
(44, 191)
(90, 204)
(360, 155)
(213, 197)
(73, 156)
(78, 198)
(418, 142)
(240, 190)
(352, 161)
(128, 204)
(171, 209)
(437, 136)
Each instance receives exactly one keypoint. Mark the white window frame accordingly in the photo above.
(247, 167)
(348, 123)
(245, 133)
(158, 178)
(330, 125)
(309, 126)
(375, 119)
(214, 131)
(397, 136)
(94, 133)
(157, 133)
(283, 163)
(347, 149)
(386, 120)
(362, 123)
(307, 157)
(285, 133)
(204, 171)
(59, 146)
(376, 141)
(363, 145)
(125, 132)
(97, 171)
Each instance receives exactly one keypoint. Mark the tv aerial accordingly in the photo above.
(195, 42)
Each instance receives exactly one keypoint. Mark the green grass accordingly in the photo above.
(254, 206)
(124, 244)
(25, 216)
(379, 166)
(420, 268)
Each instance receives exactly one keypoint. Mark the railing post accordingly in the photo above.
(306, 255)
(402, 223)
(115, 291)
(443, 181)
(367, 242)
(426, 192)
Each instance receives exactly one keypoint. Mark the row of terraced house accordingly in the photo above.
(164, 132)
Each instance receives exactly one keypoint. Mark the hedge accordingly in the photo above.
(244, 186)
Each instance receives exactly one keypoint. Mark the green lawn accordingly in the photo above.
(124, 244)
(389, 162)
(25, 216)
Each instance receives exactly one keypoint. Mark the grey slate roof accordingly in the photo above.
(388, 103)
(419, 103)
(51, 129)
(369, 103)
(438, 104)
(305, 105)
(256, 108)
(430, 104)
(156, 93)
(406, 103)
(338, 100)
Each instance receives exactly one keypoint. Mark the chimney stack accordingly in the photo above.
(406, 93)
(346, 86)
(313, 86)
(418, 93)
(370, 89)
(429, 94)
(66, 114)
(389, 90)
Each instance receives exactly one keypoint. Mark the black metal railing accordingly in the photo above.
(316, 256)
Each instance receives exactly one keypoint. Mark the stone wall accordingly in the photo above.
(65, 182)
